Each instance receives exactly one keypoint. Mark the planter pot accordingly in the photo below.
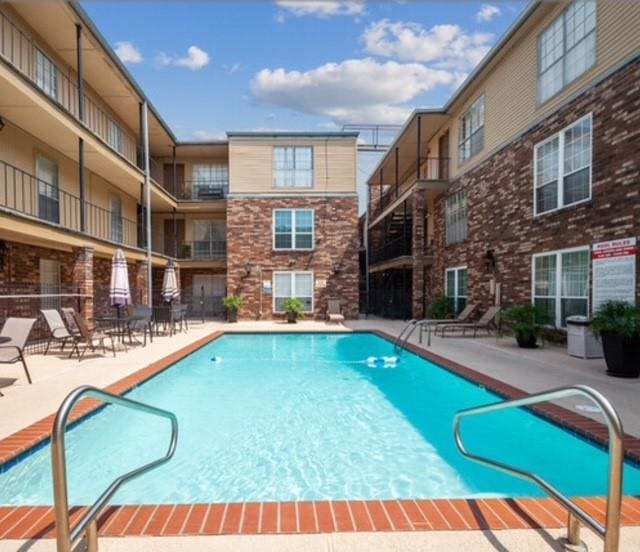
(292, 317)
(232, 315)
(622, 355)
(527, 340)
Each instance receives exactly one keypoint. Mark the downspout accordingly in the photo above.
(147, 194)
(81, 176)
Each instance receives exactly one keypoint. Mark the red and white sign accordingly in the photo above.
(614, 271)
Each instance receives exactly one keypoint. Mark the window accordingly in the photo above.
(567, 48)
(114, 136)
(46, 75)
(116, 219)
(456, 288)
(293, 229)
(293, 166)
(292, 284)
(456, 217)
(48, 194)
(561, 282)
(563, 168)
(49, 284)
(206, 178)
(471, 131)
(210, 238)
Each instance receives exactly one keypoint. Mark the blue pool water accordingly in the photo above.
(299, 417)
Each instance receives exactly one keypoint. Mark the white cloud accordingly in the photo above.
(233, 68)
(487, 12)
(322, 8)
(195, 59)
(128, 53)
(352, 91)
(443, 46)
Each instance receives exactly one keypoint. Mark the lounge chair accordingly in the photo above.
(58, 331)
(464, 316)
(334, 311)
(90, 338)
(70, 321)
(18, 330)
(487, 322)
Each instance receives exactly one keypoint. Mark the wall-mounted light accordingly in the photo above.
(490, 259)
(248, 267)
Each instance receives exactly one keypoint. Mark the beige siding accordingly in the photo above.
(510, 88)
(251, 166)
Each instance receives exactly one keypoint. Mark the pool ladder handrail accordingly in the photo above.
(407, 331)
(610, 532)
(66, 536)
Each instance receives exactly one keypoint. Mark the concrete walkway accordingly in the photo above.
(532, 370)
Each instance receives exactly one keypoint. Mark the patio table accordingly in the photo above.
(119, 323)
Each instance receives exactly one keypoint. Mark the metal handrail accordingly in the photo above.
(409, 326)
(66, 537)
(610, 532)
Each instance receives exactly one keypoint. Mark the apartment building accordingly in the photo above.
(87, 166)
(529, 175)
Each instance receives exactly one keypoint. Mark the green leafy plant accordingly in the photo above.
(617, 317)
(233, 302)
(294, 307)
(439, 308)
(525, 322)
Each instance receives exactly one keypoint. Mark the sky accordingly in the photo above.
(313, 65)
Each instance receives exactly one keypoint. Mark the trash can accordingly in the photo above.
(581, 341)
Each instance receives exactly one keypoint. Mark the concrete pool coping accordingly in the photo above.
(32, 522)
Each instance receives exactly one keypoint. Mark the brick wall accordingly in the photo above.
(500, 196)
(334, 260)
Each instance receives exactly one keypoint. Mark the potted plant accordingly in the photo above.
(439, 309)
(233, 303)
(618, 325)
(294, 309)
(525, 322)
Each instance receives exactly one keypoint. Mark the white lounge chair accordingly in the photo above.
(334, 311)
(18, 330)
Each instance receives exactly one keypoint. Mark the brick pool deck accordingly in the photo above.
(251, 518)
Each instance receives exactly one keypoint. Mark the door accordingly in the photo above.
(207, 293)
(116, 219)
(443, 155)
(49, 284)
(168, 179)
(48, 193)
(174, 246)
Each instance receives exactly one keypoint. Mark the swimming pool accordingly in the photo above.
(290, 417)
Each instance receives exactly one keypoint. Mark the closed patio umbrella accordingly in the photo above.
(170, 289)
(119, 293)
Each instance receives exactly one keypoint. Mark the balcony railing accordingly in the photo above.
(24, 193)
(431, 168)
(392, 249)
(23, 53)
(202, 250)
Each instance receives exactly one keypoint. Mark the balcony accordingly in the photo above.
(190, 190)
(432, 170)
(199, 250)
(23, 193)
(23, 54)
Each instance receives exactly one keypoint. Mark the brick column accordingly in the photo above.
(141, 283)
(82, 280)
(418, 250)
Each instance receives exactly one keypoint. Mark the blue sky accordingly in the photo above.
(298, 65)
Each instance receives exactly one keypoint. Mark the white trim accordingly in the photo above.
(291, 273)
(456, 270)
(561, 176)
(293, 229)
(294, 147)
(558, 295)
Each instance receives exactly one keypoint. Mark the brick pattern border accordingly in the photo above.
(34, 522)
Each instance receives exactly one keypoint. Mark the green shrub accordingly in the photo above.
(294, 306)
(233, 302)
(439, 308)
(617, 317)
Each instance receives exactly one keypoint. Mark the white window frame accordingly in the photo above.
(117, 220)
(461, 214)
(115, 136)
(557, 322)
(456, 270)
(562, 59)
(311, 169)
(463, 140)
(293, 230)
(561, 176)
(291, 274)
(46, 74)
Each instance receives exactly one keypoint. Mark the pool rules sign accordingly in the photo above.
(614, 271)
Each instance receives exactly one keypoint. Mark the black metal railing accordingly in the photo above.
(22, 52)
(202, 249)
(396, 247)
(431, 168)
(26, 194)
